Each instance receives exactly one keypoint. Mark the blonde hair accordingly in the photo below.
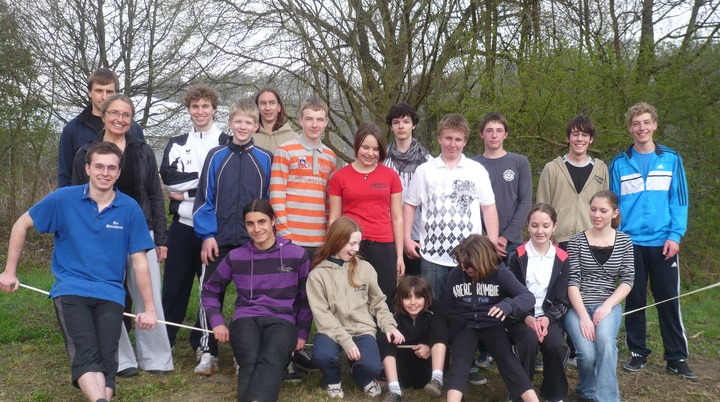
(454, 122)
(244, 107)
(638, 109)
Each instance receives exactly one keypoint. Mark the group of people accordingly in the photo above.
(303, 240)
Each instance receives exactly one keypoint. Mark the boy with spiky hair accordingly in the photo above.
(88, 124)
(455, 197)
(650, 182)
(299, 182)
(233, 175)
(404, 155)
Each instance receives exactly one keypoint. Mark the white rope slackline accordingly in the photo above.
(402, 346)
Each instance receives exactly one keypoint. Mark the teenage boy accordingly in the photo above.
(451, 191)
(300, 173)
(88, 124)
(511, 182)
(95, 229)
(232, 176)
(404, 155)
(649, 179)
(274, 128)
(180, 169)
(568, 182)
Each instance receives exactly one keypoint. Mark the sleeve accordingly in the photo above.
(378, 307)
(303, 318)
(524, 198)
(544, 193)
(414, 190)
(79, 175)
(173, 172)
(614, 177)
(325, 321)
(267, 168)
(521, 300)
(139, 236)
(65, 157)
(213, 289)
(604, 174)
(437, 327)
(559, 301)
(678, 202)
(516, 270)
(574, 276)
(278, 190)
(334, 185)
(45, 214)
(627, 269)
(395, 182)
(204, 219)
(155, 195)
(485, 193)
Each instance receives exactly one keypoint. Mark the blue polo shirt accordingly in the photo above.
(91, 246)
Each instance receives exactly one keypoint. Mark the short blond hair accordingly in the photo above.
(314, 103)
(454, 122)
(638, 109)
(245, 107)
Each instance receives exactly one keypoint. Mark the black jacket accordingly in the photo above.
(148, 192)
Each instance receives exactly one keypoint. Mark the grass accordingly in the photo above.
(34, 366)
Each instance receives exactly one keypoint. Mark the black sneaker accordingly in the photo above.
(303, 362)
(635, 364)
(128, 372)
(681, 368)
(292, 376)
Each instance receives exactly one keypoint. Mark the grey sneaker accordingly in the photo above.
(476, 378)
(681, 368)
(292, 376)
(392, 397)
(208, 364)
(433, 388)
(635, 364)
(199, 352)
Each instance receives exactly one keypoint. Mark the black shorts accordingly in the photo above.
(91, 330)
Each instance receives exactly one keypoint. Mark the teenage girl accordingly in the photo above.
(371, 194)
(346, 302)
(601, 276)
(543, 268)
(485, 292)
(272, 316)
(422, 323)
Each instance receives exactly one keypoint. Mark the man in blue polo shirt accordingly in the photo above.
(95, 228)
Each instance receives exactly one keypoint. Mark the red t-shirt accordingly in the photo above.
(366, 199)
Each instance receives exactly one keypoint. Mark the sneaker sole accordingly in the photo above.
(207, 372)
(293, 381)
(432, 391)
(633, 369)
(482, 382)
(693, 378)
(305, 369)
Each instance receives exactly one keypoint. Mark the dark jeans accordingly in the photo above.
(182, 266)
(262, 348)
(383, 257)
(91, 330)
(325, 357)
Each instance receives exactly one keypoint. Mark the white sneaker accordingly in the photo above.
(334, 391)
(373, 389)
(237, 367)
(208, 364)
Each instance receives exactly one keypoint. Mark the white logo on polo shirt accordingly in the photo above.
(115, 225)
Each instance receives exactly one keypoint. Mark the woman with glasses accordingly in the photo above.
(139, 179)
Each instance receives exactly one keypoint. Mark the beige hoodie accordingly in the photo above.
(271, 142)
(342, 311)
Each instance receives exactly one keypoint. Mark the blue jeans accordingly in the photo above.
(437, 276)
(597, 361)
(325, 358)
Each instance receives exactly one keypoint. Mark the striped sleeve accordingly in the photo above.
(278, 189)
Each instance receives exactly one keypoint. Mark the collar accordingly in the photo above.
(307, 145)
(241, 148)
(116, 202)
(532, 253)
(658, 150)
(439, 164)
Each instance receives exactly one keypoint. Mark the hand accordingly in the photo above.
(400, 266)
(587, 328)
(422, 351)
(353, 354)
(300, 344)
(600, 313)
(161, 252)
(210, 250)
(395, 337)
(670, 248)
(533, 323)
(176, 196)
(501, 246)
(411, 248)
(9, 283)
(497, 312)
(146, 320)
(222, 334)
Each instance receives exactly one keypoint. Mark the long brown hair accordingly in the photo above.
(282, 116)
(476, 251)
(337, 237)
(412, 285)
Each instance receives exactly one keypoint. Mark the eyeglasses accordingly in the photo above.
(115, 114)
